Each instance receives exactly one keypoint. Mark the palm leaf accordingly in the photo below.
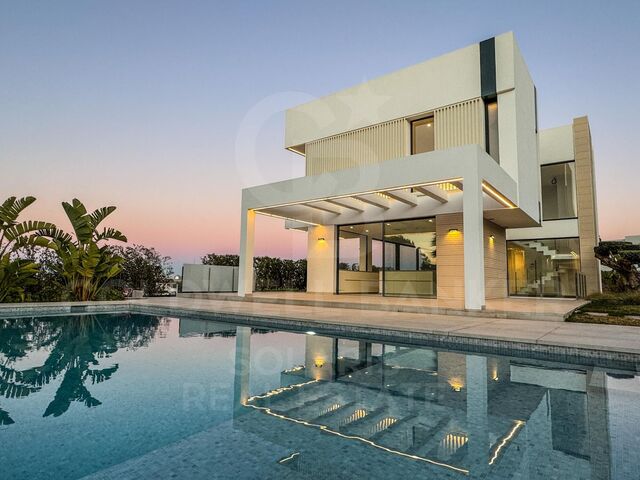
(12, 233)
(98, 215)
(111, 234)
(11, 208)
(80, 221)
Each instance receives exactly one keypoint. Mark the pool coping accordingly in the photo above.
(557, 351)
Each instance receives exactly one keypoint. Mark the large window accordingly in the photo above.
(422, 137)
(543, 268)
(558, 191)
(392, 258)
(491, 126)
(359, 258)
(410, 258)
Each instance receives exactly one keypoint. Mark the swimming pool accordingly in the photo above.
(141, 396)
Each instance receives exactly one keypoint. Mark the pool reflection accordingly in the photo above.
(354, 404)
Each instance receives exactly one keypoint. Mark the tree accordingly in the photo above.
(144, 268)
(49, 284)
(228, 260)
(87, 263)
(16, 272)
(270, 273)
(77, 347)
(624, 259)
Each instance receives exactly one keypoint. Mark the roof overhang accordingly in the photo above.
(413, 186)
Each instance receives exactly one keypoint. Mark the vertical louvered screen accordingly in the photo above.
(459, 124)
(366, 146)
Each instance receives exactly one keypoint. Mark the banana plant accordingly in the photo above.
(87, 262)
(16, 273)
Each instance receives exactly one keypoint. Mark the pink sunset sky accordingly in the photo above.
(168, 109)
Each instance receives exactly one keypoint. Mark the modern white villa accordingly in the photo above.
(434, 181)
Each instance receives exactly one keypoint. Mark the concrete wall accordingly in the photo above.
(556, 145)
(438, 82)
(517, 123)
(321, 259)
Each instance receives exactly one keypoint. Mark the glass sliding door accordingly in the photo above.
(544, 267)
(410, 258)
(359, 258)
(396, 258)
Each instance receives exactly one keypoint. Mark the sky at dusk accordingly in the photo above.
(167, 109)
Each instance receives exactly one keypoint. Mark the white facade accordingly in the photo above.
(362, 167)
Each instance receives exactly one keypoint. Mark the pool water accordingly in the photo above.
(139, 396)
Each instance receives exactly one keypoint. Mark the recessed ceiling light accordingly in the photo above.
(310, 332)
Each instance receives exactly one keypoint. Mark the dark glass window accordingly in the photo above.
(558, 191)
(493, 142)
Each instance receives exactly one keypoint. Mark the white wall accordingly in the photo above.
(321, 259)
(556, 144)
(438, 82)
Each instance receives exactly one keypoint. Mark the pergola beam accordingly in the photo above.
(346, 203)
(322, 208)
(427, 192)
(374, 200)
(403, 197)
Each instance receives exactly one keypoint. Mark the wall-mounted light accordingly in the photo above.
(321, 239)
(319, 362)
(454, 230)
(456, 384)
(492, 237)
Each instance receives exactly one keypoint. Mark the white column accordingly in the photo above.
(247, 234)
(473, 244)
(477, 420)
(242, 369)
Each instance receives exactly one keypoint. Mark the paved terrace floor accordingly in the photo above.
(552, 309)
(591, 336)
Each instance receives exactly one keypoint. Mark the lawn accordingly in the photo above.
(620, 309)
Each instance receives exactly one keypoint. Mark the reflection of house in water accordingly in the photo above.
(355, 408)
(206, 328)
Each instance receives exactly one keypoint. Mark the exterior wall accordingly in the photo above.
(441, 81)
(562, 144)
(517, 123)
(450, 257)
(556, 145)
(321, 259)
(454, 125)
(495, 261)
(587, 209)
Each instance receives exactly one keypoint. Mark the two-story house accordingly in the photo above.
(434, 181)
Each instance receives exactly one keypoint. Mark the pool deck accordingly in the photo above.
(526, 308)
(591, 339)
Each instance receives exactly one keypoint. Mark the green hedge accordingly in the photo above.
(270, 273)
